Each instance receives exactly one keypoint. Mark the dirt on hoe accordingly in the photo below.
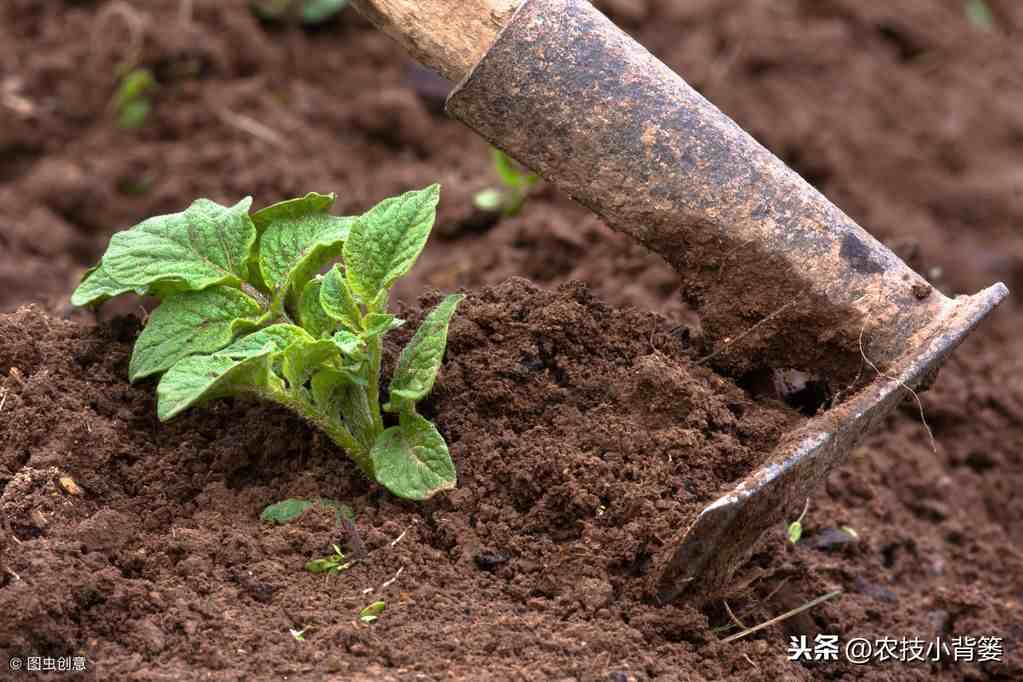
(585, 430)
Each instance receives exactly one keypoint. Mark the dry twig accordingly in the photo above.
(252, 127)
(784, 616)
(919, 403)
(731, 342)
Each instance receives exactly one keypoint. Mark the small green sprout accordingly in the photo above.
(509, 198)
(308, 11)
(331, 565)
(292, 508)
(131, 102)
(244, 312)
(372, 612)
(795, 529)
(979, 14)
(298, 635)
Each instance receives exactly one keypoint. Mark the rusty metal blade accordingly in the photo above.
(726, 531)
(763, 256)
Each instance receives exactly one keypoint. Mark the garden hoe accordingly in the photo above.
(782, 279)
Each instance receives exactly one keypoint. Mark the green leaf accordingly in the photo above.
(385, 241)
(284, 210)
(507, 170)
(298, 238)
(243, 367)
(328, 385)
(286, 510)
(303, 358)
(340, 392)
(290, 209)
(311, 11)
(979, 14)
(372, 612)
(97, 286)
(133, 114)
(338, 302)
(275, 337)
(201, 378)
(350, 344)
(134, 84)
(324, 387)
(204, 245)
(311, 315)
(379, 302)
(321, 565)
(191, 323)
(411, 459)
(795, 531)
(354, 407)
(421, 359)
(291, 508)
(378, 324)
(318, 11)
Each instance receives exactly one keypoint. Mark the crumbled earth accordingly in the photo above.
(584, 439)
(904, 114)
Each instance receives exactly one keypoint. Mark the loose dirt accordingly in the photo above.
(583, 437)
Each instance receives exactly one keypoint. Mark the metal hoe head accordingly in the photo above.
(765, 257)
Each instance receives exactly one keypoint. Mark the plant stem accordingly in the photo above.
(256, 294)
(334, 428)
(373, 390)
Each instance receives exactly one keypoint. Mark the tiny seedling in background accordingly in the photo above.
(795, 528)
(372, 612)
(308, 11)
(516, 183)
(978, 13)
(298, 635)
(131, 102)
(244, 312)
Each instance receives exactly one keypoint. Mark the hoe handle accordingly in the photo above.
(449, 36)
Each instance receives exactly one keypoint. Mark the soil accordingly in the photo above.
(567, 407)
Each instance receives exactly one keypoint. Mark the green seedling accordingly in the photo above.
(243, 312)
(331, 565)
(292, 508)
(795, 529)
(298, 635)
(308, 11)
(979, 14)
(516, 183)
(131, 102)
(372, 612)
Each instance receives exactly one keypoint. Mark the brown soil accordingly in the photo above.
(556, 405)
(581, 449)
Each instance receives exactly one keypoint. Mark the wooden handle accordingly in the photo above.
(449, 36)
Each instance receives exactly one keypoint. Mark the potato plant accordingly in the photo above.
(244, 312)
